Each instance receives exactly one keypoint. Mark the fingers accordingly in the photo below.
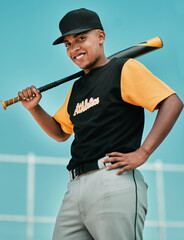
(116, 165)
(119, 160)
(124, 167)
(29, 93)
(113, 157)
(121, 171)
(114, 154)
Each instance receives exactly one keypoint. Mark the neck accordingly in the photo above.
(98, 63)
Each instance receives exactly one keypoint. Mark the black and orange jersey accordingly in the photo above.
(105, 109)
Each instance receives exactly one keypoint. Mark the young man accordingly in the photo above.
(106, 197)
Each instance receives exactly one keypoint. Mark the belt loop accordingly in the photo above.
(71, 175)
(102, 165)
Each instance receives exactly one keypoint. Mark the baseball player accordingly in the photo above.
(106, 196)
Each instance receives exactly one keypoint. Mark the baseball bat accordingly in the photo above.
(132, 52)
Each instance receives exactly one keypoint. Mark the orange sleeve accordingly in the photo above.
(62, 116)
(140, 87)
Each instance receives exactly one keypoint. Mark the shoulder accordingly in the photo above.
(119, 61)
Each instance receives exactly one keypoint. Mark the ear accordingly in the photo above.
(101, 36)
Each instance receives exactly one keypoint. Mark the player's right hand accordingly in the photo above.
(30, 97)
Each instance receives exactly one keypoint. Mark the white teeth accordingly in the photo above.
(79, 56)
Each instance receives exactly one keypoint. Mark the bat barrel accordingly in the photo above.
(140, 49)
(154, 42)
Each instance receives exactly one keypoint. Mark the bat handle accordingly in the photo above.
(5, 104)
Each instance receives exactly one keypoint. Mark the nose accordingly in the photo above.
(75, 48)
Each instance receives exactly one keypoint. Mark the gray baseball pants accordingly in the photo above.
(101, 205)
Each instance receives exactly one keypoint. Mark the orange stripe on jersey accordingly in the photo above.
(62, 116)
(140, 87)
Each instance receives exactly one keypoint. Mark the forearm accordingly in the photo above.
(48, 124)
(168, 113)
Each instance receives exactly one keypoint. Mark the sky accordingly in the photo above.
(27, 57)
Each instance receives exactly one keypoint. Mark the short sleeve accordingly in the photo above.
(63, 118)
(140, 87)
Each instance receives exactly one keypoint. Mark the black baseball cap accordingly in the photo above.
(76, 21)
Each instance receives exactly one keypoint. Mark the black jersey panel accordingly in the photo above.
(103, 122)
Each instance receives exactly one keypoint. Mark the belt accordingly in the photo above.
(87, 167)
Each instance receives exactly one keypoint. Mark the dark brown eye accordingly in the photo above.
(81, 38)
(67, 45)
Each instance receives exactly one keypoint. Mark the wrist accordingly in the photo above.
(34, 109)
(144, 152)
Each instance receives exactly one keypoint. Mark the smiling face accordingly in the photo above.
(86, 49)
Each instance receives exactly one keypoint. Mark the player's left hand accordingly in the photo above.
(126, 161)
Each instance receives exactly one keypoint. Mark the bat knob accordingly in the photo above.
(3, 104)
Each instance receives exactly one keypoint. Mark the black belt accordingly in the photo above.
(84, 168)
(87, 167)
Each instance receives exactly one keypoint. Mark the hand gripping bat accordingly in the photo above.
(132, 52)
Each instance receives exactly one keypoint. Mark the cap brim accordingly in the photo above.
(61, 39)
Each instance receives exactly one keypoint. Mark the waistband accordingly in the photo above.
(87, 167)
